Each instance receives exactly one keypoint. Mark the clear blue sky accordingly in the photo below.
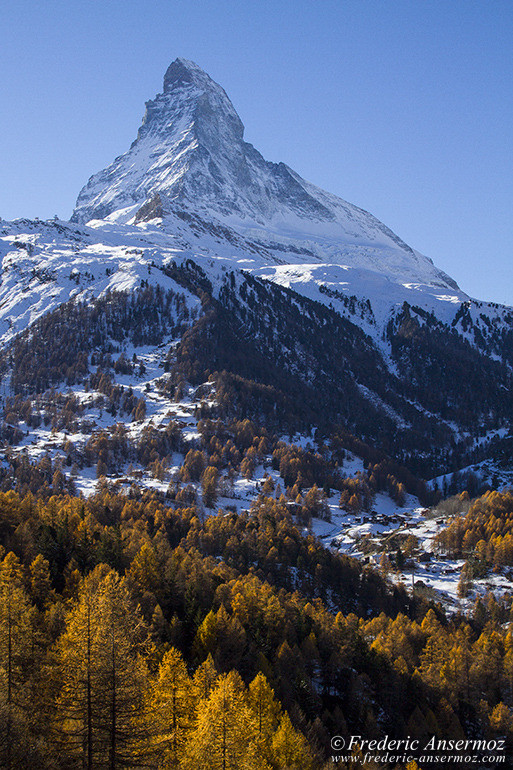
(402, 107)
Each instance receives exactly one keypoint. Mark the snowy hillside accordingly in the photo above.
(46, 263)
(85, 440)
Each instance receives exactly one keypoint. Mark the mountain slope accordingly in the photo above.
(283, 361)
(303, 309)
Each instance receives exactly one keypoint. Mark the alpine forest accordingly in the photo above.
(256, 508)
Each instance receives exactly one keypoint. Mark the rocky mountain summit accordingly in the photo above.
(190, 160)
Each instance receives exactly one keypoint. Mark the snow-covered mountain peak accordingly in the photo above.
(189, 150)
(190, 167)
(183, 72)
(214, 116)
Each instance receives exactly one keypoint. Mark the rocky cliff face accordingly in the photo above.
(190, 156)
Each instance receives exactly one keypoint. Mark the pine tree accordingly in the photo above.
(99, 709)
(40, 582)
(205, 679)
(266, 711)
(290, 748)
(434, 661)
(172, 709)
(209, 486)
(501, 718)
(223, 636)
(206, 636)
(224, 736)
(144, 569)
(16, 657)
